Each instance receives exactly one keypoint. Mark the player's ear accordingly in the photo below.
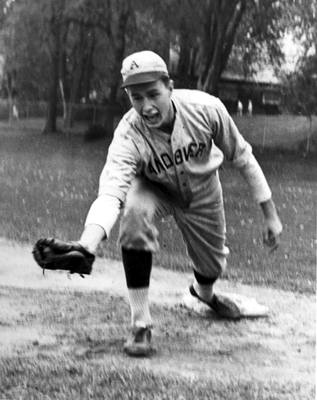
(171, 86)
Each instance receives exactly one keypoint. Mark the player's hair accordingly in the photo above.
(165, 79)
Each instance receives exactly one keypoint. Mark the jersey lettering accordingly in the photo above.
(165, 161)
(200, 149)
(151, 169)
(190, 151)
(178, 157)
(159, 166)
(168, 162)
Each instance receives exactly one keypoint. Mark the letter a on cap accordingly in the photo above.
(142, 67)
(134, 65)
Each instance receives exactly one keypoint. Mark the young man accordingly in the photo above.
(164, 160)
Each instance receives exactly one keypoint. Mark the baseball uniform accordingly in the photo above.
(152, 174)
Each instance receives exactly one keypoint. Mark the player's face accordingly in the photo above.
(152, 101)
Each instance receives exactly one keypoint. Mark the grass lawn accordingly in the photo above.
(48, 183)
(75, 337)
(283, 132)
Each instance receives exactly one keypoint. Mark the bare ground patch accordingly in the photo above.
(280, 348)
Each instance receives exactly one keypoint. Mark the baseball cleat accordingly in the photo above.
(139, 343)
(222, 306)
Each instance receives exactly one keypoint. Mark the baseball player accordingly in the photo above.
(163, 161)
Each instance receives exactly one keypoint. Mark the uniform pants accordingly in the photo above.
(202, 223)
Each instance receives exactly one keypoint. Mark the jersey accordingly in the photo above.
(182, 162)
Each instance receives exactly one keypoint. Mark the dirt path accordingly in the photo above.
(281, 347)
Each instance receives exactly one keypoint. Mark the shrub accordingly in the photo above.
(95, 132)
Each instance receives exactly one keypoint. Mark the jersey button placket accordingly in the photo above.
(179, 173)
(181, 168)
(185, 185)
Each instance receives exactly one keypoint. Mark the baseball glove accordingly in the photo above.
(56, 254)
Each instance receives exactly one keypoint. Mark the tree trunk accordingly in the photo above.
(63, 67)
(89, 65)
(184, 58)
(218, 38)
(50, 125)
(118, 44)
(309, 135)
(10, 86)
(82, 58)
(54, 31)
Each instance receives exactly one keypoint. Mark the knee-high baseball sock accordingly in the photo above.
(203, 286)
(138, 266)
(140, 310)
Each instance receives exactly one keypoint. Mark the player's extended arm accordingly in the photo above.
(228, 138)
(101, 218)
(272, 226)
(91, 237)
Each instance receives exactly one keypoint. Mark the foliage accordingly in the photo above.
(94, 132)
(302, 87)
(206, 36)
(25, 51)
(304, 23)
(75, 47)
(257, 40)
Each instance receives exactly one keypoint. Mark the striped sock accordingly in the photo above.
(140, 310)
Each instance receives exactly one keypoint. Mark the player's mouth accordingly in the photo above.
(152, 118)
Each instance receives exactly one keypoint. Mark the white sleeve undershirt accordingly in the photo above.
(104, 211)
(253, 175)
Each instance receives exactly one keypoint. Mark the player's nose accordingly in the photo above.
(147, 105)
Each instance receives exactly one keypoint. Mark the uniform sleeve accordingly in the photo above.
(104, 211)
(236, 149)
(253, 175)
(227, 136)
(121, 166)
(123, 163)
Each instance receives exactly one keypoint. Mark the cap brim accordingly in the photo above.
(144, 77)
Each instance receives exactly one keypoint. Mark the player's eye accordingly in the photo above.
(154, 95)
(137, 98)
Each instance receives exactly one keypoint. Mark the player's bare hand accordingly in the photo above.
(272, 231)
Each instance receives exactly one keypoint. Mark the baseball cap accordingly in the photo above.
(142, 67)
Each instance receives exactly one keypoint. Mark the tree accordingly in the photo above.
(79, 45)
(51, 45)
(10, 89)
(207, 32)
(249, 30)
(88, 22)
(221, 22)
(301, 87)
(304, 24)
(54, 14)
(23, 49)
(301, 84)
